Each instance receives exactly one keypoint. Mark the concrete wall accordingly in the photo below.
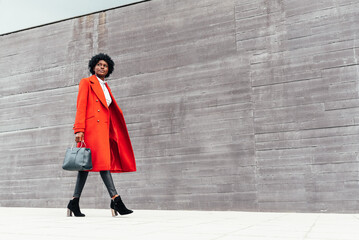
(231, 105)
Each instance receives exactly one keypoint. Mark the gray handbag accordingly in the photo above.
(77, 159)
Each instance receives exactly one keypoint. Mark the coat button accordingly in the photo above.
(98, 120)
(96, 100)
(98, 110)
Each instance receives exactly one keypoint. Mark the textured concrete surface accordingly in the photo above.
(231, 105)
(50, 223)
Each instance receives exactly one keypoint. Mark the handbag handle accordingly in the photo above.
(82, 142)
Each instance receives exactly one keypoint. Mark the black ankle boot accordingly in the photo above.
(73, 207)
(117, 206)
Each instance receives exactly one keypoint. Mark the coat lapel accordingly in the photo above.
(96, 87)
(109, 91)
(113, 99)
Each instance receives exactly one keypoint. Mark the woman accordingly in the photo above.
(100, 124)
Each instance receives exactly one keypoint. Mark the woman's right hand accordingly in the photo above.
(79, 137)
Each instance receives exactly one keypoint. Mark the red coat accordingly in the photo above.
(104, 127)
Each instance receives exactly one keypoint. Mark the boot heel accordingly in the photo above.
(69, 213)
(114, 212)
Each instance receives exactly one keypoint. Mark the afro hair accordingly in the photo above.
(101, 56)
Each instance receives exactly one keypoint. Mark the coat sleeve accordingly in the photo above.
(81, 106)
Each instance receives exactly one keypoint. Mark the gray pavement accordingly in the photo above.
(52, 223)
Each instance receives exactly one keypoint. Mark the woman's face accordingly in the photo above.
(101, 69)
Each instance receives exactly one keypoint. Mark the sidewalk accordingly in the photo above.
(52, 224)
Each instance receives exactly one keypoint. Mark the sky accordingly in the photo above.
(21, 14)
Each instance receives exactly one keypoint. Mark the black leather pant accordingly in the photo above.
(106, 177)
